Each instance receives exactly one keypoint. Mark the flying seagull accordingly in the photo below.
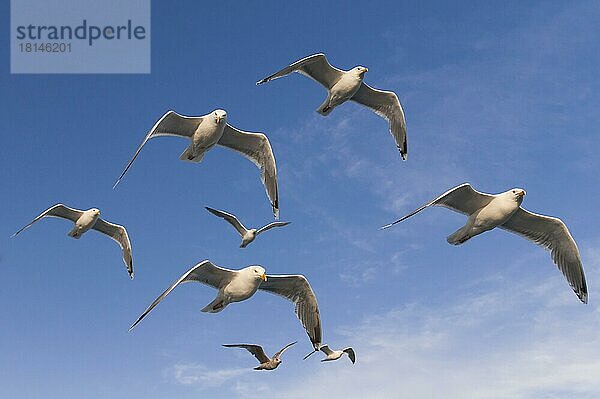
(248, 235)
(486, 211)
(204, 132)
(348, 85)
(335, 354)
(90, 219)
(239, 285)
(266, 363)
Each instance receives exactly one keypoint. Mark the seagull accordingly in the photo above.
(259, 353)
(486, 211)
(239, 285)
(90, 219)
(335, 354)
(206, 131)
(348, 85)
(247, 235)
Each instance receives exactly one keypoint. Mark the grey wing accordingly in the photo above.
(351, 354)
(204, 272)
(297, 289)
(58, 211)
(386, 105)
(170, 124)
(552, 234)
(230, 218)
(278, 354)
(119, 234)
(257, 148)
(326, 350)
(256, 350)
(315, 67)
(271, 225)
(463, 199)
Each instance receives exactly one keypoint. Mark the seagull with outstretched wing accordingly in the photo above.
(258, 352)
(348, 85)
(206, 131)
(248, 235)
(86, 220)
(487, 211)
(334, 354)
(239, 285)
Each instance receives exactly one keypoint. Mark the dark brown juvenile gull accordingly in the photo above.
(487, 211)
(90, 219)
(348, 85)
(258, 352)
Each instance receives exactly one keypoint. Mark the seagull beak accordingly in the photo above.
(366, 69)
(522, 193)
(219, 118)
(263, 277)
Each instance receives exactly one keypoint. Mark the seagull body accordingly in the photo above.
(206, 131)
(336, 354)
(487, 211)
(86, 220)
(248, 235)
(239, 285)
(348, 85)
(266, 363)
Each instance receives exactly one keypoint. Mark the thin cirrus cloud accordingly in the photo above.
(507, 340)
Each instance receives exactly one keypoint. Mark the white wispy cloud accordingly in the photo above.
(515, 338)
(202, 376)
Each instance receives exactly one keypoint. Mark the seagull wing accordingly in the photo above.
(464, 199)
(552, 234)
(170, 124)
(315, 67)
(57, 211)
(386, 105)
(256, 350)
(297, 289)
(326, 350)
(119, 234)
(351, 354)
(271, 225)
(257, 148)
(204, 272)
(230, 218)
(278, 354)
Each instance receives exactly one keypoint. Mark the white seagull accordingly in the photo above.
(486, 211)
(258, 352)
(239, 285)
(348, 85)
(248, 235)
(206, 131)
(335, 354)
(90, 219)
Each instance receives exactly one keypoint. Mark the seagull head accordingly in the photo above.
(361, 70)
(95, 211)
(518, 194)
(258, 272)
(220, 115)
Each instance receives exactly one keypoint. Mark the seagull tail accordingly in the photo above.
(459, 236)
(215, 306)
(325, 108)
(188, 155)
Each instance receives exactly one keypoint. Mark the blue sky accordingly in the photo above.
(499, 97)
